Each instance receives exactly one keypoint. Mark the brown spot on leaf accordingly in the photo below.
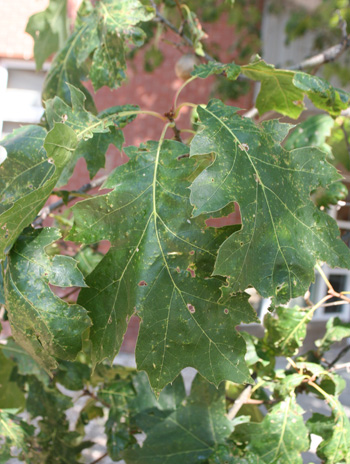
(191, 308)
(142, 283)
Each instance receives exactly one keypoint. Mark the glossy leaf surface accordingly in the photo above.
(283, 233)
(159, 266)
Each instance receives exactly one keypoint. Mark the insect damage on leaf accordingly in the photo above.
(283, 234)
(182, 321)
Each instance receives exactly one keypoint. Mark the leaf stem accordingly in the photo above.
(149, 113)
(178, 108)
(100, 458)
(191, 79)
(328, 397)
(324, 277)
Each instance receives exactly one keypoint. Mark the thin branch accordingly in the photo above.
(96, 398)
(240, 401)
(178, 6)
(339, 355)
(327, 56)
(341, 366)
(47, 210)
(99, 459)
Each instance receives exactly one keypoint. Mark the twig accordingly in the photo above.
(331, 54)
(341, 366)
(99, 459)
(242, 399)
(339, 355)
(96, 398)
(178, 6)
(48, 209)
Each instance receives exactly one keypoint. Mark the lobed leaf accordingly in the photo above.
(49, 30)
(322, 94)
(336, 330)
(286, 330)
(43, 324)
(191, 431)
(281, 436)
(31, 170)
(278, 92)
(282, 90)
(94, 133)
(283, 233)
(159, 267)
(312, 132)
(102, 32)
(335, 431)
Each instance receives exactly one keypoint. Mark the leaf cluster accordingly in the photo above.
(185, 280)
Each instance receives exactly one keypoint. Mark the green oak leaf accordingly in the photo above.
(283, 233)
(11, 396)
(49, 30)
(117, 26)
(286, 384)
(204, 70)
(281, 436)
(146, 410)
(102, 31)
(43, 324)
(94, 133)
(336, 330)
(278, 92)
(55, 443)
(25, 364)
(34, 163)
(335, 431)
(228, 454)
(191, 431)
(286, 330)
(73, 375)
(64, 69)
(312, 132)
(118, 393)
(87, 260)
(14, 430)
(322, 94)
(159, 267)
